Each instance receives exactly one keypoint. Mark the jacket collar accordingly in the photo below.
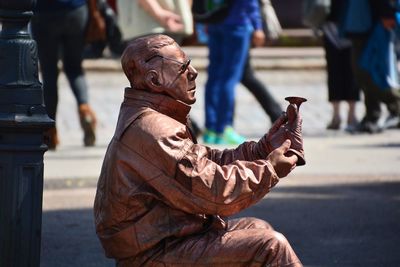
(159, 102)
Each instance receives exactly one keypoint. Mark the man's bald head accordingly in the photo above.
(139, 50)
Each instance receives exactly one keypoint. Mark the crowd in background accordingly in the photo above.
(83, 28)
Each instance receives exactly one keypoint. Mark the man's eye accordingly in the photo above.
(185, 66)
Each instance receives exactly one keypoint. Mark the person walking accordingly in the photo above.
(60, 27)
(228, 44)
(340, 78)
(361, 18)
(259, 90)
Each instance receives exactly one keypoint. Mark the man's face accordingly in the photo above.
(177, 76)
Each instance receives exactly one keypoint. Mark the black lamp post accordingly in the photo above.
(23, 120)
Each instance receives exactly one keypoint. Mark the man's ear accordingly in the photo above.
(152, 80)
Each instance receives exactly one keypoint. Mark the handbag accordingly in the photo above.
(379, 59)
(135, 21)
(272, 27)
(315, 12)
(95, 48)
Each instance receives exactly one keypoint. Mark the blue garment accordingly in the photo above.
(228, 47)
(244, 12)
(228, 44)
(358, 17)
(379, 59)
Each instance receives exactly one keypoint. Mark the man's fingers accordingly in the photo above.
(292, 159)
(285, 146)
(291, 112)
(278, 123)
(293, 167)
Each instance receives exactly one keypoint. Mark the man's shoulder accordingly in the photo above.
(159, 124)
(149, 125)
(156, 136)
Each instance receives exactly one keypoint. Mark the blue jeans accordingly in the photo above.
(228, 47)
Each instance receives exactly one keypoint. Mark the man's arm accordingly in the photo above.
(249, 151)
(189, 180)
(96, 29)
(258, 38)
(166, 18)
(227, 189)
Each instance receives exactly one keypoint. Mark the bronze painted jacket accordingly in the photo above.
(157, 183)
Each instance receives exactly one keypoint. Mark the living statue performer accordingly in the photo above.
(163, 199)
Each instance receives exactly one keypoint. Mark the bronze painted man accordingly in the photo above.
(162, 199)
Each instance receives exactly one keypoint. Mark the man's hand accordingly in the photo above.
(171, 21)
(288, 126)
(283, 164)
(388, 23)
(258, 38)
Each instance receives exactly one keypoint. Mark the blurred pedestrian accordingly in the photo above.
(228, 44)
(361, 18)
(60, 28)
(340, 77)
(271, 29)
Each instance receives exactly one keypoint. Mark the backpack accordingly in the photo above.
(210, 11)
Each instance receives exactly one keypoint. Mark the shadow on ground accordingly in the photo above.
(341, 225)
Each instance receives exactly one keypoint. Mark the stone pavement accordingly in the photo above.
(341, 209)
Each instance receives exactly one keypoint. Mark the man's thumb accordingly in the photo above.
(285, 145)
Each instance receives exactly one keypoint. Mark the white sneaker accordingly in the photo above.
(392, 122)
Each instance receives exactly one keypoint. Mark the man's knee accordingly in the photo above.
(249, 223)
(276, 239)
(278, 251)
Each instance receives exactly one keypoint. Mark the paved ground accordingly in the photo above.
(341, 209)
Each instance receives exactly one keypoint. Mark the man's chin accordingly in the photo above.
(188, 101)
(191, 101)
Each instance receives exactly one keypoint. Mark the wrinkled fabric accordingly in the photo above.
(288, 126)
(245, 242)
(158, 189)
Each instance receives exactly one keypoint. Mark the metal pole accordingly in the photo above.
(23, 120)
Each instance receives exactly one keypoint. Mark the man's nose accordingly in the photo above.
(192, 73)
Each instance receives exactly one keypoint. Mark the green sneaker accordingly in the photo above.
(209, 137)
(233, 138)
(220, 140)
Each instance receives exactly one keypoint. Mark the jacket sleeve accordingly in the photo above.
(193, 177)
(223, 189)
(248, 151)
(254, 13)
